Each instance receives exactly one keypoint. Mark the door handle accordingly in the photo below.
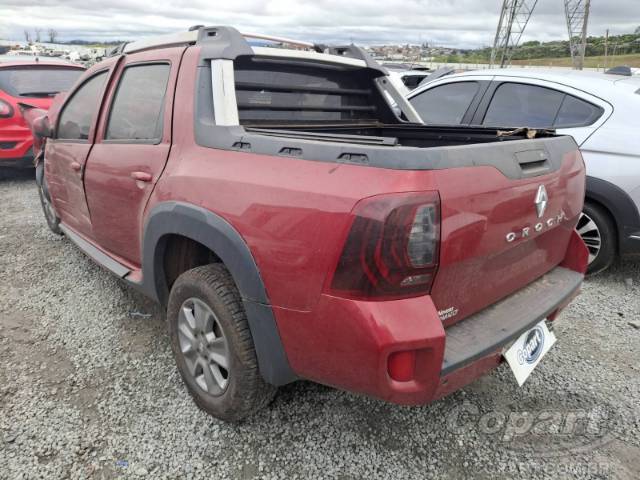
(76, 166)
(141, 176)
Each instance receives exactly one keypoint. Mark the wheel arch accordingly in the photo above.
(619, 205)
(215, 233)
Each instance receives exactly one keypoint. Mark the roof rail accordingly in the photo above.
(191, 37)
(181, 38)
(220, 42)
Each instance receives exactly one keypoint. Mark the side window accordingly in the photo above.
(520, 105)
(138, 108)
(446, 104)
(577, 113)
(78, 114)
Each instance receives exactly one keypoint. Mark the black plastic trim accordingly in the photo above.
(95, 254)
(623, 210)
(495, 327)
(212, 231)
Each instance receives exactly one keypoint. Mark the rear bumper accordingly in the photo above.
(475, 345)
(16, 147)
(494, 328)
(347, 343)
(21, 162)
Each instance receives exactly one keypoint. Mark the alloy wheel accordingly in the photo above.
(204, 346)
(590, 233)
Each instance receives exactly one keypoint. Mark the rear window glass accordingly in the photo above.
(446, 104)
(519, 105)
(37, 81)
(575, 113)
(279, 91)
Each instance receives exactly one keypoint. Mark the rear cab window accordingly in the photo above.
(37, 81)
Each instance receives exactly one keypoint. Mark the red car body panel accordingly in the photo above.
(294, 215)
(124, 170)
(16, 139)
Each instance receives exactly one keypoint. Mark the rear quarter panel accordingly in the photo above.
(293, 214)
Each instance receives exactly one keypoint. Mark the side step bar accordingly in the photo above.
(95, 254)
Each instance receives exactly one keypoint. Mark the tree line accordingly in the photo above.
(51, 35)
(534, 50)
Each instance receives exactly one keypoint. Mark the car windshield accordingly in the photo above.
(42, 81)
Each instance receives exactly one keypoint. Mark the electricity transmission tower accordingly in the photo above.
(513, 21)
(577, 12)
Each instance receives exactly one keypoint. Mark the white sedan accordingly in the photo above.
(602, 113)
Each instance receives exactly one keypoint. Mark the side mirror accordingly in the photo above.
(42, 127)
(37, 120)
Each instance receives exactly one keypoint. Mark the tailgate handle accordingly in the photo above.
(533, 162)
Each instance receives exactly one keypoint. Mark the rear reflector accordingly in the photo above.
(402, 366)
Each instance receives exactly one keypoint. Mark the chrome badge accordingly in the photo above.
(541, 201)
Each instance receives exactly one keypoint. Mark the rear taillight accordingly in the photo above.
(391, 250)
(6, 110)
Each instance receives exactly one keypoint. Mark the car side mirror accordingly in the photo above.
(42, 127)
(37, 119)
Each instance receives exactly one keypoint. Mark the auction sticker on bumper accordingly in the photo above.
(525, 354)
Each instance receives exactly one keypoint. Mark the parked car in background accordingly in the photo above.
(602, 113)
(35, 83)
(409, 74)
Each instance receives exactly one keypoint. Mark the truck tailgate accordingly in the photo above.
(500, 234)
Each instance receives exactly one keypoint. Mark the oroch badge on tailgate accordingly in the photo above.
(541, 201)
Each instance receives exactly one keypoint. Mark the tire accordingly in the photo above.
(45, 200)
(598, 231)
(214, 349)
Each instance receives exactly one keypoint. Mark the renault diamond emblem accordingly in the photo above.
(541, 201)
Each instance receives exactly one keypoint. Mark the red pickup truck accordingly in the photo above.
(297, 220)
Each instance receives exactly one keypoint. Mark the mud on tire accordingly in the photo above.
(243, 391)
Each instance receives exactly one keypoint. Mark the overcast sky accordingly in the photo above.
(457, 23)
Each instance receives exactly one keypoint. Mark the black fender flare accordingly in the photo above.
(215, 233)
(622, 208)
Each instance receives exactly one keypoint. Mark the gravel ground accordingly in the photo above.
(88, 389)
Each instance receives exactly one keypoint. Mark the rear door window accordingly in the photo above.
(78, 114)
(28, 81)
(521, 105)
(138, 107)
(446, 104)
